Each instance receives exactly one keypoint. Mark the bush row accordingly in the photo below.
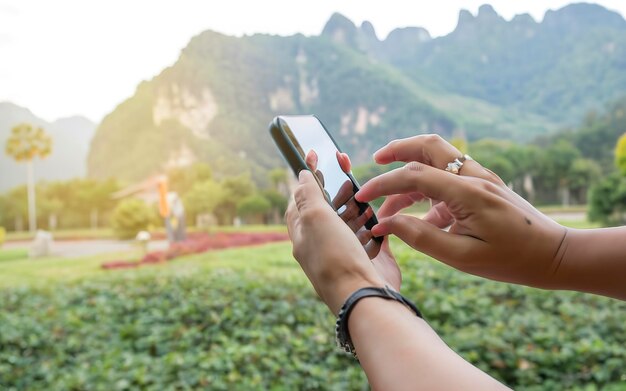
(234, 330)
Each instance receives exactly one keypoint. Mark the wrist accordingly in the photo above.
(386, 293)
(592, 260)
(335, 294)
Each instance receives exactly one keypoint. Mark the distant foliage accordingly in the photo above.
(75, 203)
(460, 143)
(3, 236)
(182, 179)
(597, 136)
(131, 216)
(555, 169)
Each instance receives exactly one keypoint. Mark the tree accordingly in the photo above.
(278, 204)
(25, 144)
(494, 155)
(620, 154)
(581, 175)
(235, 189)
(559, 160)
(203, 198)
(81, 202)
(253, 208)
(15, 208)
(278, 177)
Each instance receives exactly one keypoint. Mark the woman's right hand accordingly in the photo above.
(493, 232)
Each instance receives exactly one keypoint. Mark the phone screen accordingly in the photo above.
(307, 133)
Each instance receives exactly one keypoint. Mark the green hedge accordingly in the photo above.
(232, 330)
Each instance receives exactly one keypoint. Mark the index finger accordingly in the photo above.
(433, 150)
(413, 177)
(429, 149)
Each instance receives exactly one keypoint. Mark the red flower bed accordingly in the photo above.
(201, 242)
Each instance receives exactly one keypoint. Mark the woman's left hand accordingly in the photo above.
(328, 250)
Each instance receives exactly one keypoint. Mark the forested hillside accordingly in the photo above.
(514, 80)
(572, 61)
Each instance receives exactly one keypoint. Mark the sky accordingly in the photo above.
(74, 57)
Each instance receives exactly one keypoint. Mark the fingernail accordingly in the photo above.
(344, 162)
(301, 176)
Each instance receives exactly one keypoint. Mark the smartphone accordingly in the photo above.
(295, 136)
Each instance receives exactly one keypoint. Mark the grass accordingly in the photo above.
(32, 272)
(17, 270)
(13, 254)
(580, 224)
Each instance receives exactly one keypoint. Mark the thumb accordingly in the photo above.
(308, 195)
(449, 248)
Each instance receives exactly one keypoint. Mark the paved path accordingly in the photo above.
(85, 248)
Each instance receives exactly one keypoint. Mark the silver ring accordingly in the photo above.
(454, 166)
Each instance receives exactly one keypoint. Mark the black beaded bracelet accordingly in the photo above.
(342, 334)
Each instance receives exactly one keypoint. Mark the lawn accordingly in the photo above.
(247, 319)
(13, 254)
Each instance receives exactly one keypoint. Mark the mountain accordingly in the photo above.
(490, 77)
(569, 63)
(70, 136)
(215, 102)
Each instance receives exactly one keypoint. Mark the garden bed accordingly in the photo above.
(199, 243)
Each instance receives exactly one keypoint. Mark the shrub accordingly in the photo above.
(607, 200)
(131, 216)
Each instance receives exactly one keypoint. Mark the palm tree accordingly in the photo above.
(25, 144)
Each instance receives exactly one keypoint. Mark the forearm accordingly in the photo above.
(593, 260)
(399, 351)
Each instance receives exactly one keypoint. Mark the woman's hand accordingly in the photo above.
(326, 248)
(337, 265)
(493, 232)
(380, 253)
